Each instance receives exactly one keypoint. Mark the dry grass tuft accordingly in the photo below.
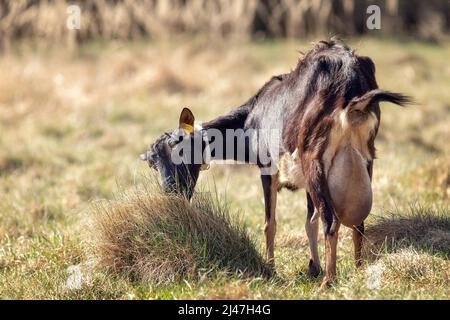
(415, 271)
(158, 238)
(410, 265)
(422, 227)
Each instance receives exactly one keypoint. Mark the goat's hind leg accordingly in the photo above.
(358, 234)
(312, 229)
(331, 241)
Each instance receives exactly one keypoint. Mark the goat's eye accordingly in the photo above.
(152, 159)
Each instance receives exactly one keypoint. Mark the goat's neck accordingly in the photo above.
(232, 121)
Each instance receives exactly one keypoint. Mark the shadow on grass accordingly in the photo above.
(421, 227)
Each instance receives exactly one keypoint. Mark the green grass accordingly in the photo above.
(72, 125)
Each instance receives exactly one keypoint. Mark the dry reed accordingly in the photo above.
(46, 20)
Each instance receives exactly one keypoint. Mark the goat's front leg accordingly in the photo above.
(320, 195)
(270, 186)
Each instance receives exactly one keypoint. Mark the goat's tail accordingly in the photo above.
(377, 95)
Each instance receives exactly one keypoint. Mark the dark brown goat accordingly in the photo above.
(327, 115)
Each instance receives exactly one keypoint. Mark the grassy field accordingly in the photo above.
(72, 125)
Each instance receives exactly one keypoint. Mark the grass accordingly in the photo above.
(156, 238)
(423, 228)
(73, 124)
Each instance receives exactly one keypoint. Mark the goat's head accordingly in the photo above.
(177, 156)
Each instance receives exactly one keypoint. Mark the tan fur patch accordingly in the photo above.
(343, 133)
(291, 169)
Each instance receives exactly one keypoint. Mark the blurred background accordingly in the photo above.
(251, 19)
(77, 107)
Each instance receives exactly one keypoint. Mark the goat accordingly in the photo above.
(326, 114)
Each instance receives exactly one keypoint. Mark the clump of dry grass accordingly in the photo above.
(412, 270)
(421, 227)
(410, 265)
(158, 238)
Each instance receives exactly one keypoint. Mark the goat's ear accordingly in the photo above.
(187, 120)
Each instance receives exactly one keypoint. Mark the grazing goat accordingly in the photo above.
(326, 114)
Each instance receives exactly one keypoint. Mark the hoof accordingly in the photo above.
(269, 272)
(326, 284)
(313, 269)
(270, 268)
(358, 264)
